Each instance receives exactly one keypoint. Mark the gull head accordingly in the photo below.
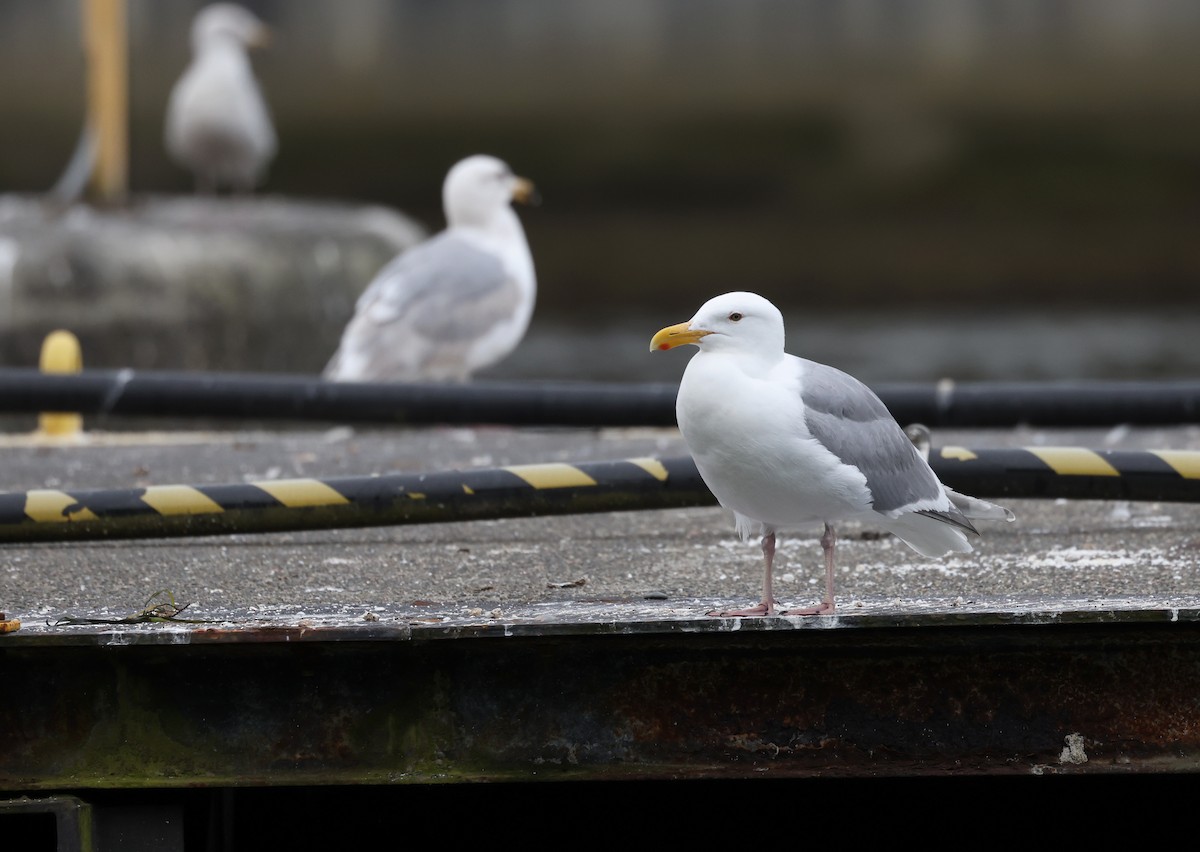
(735, 322)
(479, 186)
(224, 23)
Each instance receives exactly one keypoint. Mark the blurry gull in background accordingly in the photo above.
(782, 441)
(456, 303)
(217, 124)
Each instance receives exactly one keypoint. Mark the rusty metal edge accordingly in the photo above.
(576, 619)
(1005, 699)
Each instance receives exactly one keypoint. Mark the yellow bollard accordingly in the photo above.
(61, 353)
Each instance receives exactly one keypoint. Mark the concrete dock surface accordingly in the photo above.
(611, 567)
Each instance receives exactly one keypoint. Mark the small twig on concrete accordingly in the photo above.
(164, 610)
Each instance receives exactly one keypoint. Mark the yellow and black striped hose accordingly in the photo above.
(297, 504)
(544, 489)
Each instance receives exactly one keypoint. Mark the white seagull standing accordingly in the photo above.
(783, 441)
(217, 123)
(456, 303)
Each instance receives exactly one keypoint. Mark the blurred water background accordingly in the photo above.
(927, 188)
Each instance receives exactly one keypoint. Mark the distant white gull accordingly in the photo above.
(456, 303)
(217, 124)
(783, 441)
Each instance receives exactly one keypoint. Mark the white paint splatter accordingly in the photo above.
(1073, 751)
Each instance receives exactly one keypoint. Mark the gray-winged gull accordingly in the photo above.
(456, 303)
(783, 441)
(217, 124)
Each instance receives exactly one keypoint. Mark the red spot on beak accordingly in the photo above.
(663, 347)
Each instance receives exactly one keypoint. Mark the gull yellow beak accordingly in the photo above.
(525, 192)
(676, 335)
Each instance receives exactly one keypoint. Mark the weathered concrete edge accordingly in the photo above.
(287, 624)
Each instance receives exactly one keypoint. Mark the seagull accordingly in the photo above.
(783, 441)
(455, 303)
(217, 124)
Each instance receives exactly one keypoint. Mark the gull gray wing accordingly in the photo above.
(854, 424)
(426, 306)
(446, 288)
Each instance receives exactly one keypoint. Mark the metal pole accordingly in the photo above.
(105, 44)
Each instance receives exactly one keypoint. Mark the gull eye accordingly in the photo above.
(735, 317)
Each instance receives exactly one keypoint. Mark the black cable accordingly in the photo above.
(134, 393)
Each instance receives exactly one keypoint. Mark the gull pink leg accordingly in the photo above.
(828, 543)
(767, 607)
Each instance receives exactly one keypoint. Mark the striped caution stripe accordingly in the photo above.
(545, 489)
(295, 504)
(1073, 472)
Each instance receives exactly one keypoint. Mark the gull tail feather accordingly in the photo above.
(979, 510)
(971, 507)
(931, 534)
